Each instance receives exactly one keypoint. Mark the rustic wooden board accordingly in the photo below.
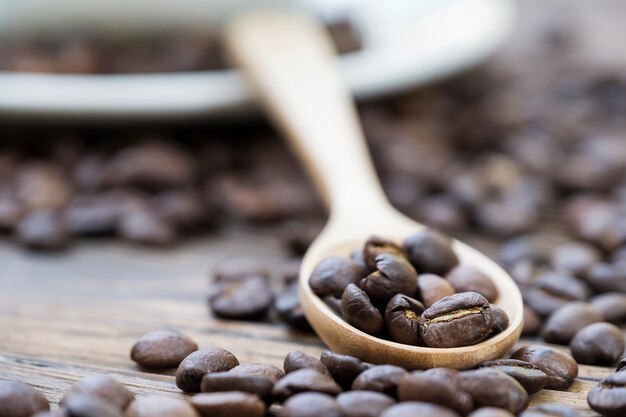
(69, 315)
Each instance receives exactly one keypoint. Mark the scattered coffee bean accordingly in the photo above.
(500, 319)
(418, 409)
(436, 390)
(380, 378)
(457, 320)
(550, 410)
(363, 403)
(465, 278)
(310, 404)
(598, 344)
(158, 406)
(563, 324)
(297, 360)
(228, 404)
(609, 396)
(261, 369)
(532, 322)
(237, 381)
(343, 368)
(393, 275)
(18, 399)
(79, 405)
(431, 251)
(304, 380)
(552, 290)
(612, 305)
(576, 257)
(288, 308)
(162, 349)
(560, 367)
(247, 299)
(607, 277)
(196, 365)
(490, 412)
(104, 386)
(529, 376)
(333, 275)
(375, 246)
(358, 310)
(493, 388)
(402, 317)
(432, 288)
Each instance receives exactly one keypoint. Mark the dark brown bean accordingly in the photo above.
(288, 308)
(500, 319)
(458, 320)
(375, 246)
(418, 409)
(343, 368)
(431, 251)
(402, 317)
(565, 322)
(560, 367)
(80, 405)
(550, 410)
(18, 399)
(609, 396)
(158, 406)
(493, 388)
(363, 403)
(358, 310)
(393, 275)
(304, 380)
(228, 404)
(598, 344)
(436, 390)
(607, 277)
(529, 376)
(465, 278)
(162, 349)
(196, 365)
(260, 369)
(612, 305)
(552, 290)
(237, 381)
(575, 257)
(103, 386)
(380, 378)
(310, 404)
(297, 360)
(332, 275)
(490, 412)
(247, 299)
(432, 288)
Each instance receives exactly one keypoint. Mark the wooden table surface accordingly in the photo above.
(69, 315)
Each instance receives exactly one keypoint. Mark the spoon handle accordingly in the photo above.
(291, 62)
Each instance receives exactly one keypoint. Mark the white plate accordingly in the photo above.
(406, 43)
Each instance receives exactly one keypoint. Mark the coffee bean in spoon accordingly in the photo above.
(500, 319)
(464, 278)
(402, 316)
(432, 288)
(197, 364)
(375, 246)
(561, 368)
(598, 344)
(332, 275)
(18, 399)
(431, 251)
(357, 309)
(608, 397)
(393, 275)
(162, 349)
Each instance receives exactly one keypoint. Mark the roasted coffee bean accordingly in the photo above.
(603, 277)
(357, 310)
(402, 317)
(288, 308)
(393, 275)
(529, 376)
(493, 388)
(550, 410)
(552, 290)
(532, 322)
(432, 288)
(560, 367)
(435, 389)
(158, 406)
(310, 404)
(238, 381)
(576, 257)
(304, 380)
(524, 248)
(431, 251)
(500, 319)
(103, 386)
(375, 246)
(490, 412)
(196, 365)
(565, 322)
(228, 404)
(343, 368)
(42, 230)
(297, 360)
(162, 349)
(141, 225)
(458, 320)
(332, 275)
(612, 305)
(247, 299)
(80, 405)
(380, 378)
(418, 409)
(465, 278)
(363, 403)
(598, 344)
(18, 399)
(260, 369)
(609, 396)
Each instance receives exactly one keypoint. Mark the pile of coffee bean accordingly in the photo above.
(416, 294)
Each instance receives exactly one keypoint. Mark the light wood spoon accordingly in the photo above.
(290, 60)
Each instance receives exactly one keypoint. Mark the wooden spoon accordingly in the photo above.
(290, 60)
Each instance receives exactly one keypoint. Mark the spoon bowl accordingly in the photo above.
(290, 61)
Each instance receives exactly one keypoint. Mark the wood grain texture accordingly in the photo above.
(66, 316)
